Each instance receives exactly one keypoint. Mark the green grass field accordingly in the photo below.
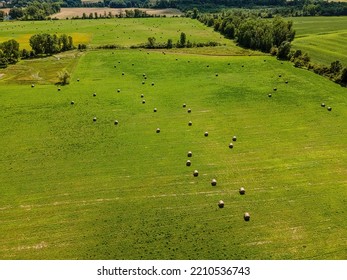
(72, 188)
(323, 38)
(122, 32)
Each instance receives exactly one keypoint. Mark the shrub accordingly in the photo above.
(64, 77)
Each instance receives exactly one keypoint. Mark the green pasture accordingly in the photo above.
(123, 32)
(72, 188)
(323, 38)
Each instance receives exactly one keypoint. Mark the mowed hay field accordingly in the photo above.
(323, 38)
(68, 13)
(122, 32)
(74, 188)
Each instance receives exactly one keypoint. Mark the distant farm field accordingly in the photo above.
(323, 38)
(75, 187)
(123, 32)
(74, 12)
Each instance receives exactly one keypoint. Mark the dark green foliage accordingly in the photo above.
(2, 15)
(64, 77)
(16, 13)
(282, 31)
(82, 47)
(342, 78)
(250, 31)
(151, 42)
(183, 39)
(9, 52)
(46, 44)
(283, 50)
(169, 44)
(34, 10)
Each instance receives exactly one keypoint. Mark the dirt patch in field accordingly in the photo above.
(74, 12)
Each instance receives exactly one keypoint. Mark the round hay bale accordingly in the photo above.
(196, 173)
(59, 89)
(155, 110)
(242, 66)
(275, 89)
(242, 190)
(143, 82)
(269, 95)
(158, 130)
(189, 110)
(231, 145)
(144, 75)
(329, 108)
(188, 163)
(115, 122)
(206, 133)
(279, 75)
(189, 154)
(78, 80)
(72, 102)
(118, 90)
(115, 66)
(214, 182)
(143, 101)
(94, 119)
(234, 138)
(142, 96)
(221, 204)
(246, 216)
(286, 82)
(152, 84)
(94, 94)
(184, 105)
(190, 123)
(208, 66)
(323, 105)
(32, 85)
(123, 74)
(216, 74)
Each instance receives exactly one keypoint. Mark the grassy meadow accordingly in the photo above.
(123, 32)
(74, 188)
(323, 38)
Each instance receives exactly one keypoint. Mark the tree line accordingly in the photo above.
(268, 8)
(249, 31)
(35, 10)
(41, 45)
